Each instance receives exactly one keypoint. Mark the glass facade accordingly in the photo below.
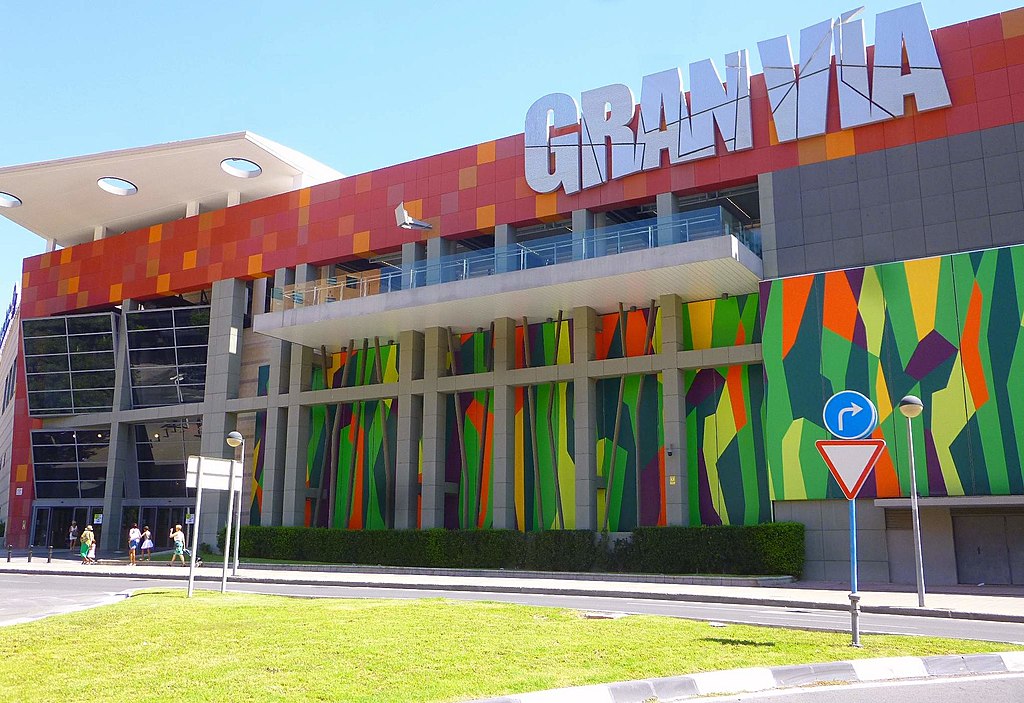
(69, 364)
(167, 355)
(161, 449)
(70, 463)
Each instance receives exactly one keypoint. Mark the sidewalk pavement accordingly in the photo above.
(976, 603)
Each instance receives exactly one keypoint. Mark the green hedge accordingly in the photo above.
(771, 548)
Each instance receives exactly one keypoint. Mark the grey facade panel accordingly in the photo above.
(932, 154)
(936, 180)
(963, 192)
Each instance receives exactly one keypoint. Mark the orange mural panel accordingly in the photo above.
(970, 351)
(839, 308)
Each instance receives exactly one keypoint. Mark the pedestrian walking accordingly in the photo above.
(134, 537)
(147, 543)
(72, 536)
(179, 544)
(87, 540)
(92, 550)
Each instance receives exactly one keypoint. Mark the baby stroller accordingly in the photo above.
(188, 557)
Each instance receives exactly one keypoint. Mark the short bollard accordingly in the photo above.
(10, 548)
(49, 556)
(855, 619)
(30, 554)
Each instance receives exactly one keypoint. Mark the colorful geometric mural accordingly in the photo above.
(725, 445)
(630, 436)
(259, 449)
(947, 329)
(722, 322)
(355, 442)
(470, 417)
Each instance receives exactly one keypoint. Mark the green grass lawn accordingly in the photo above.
(159, 646)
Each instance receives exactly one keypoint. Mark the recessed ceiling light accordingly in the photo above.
(241, 168)
(117, 186)
(8, 200)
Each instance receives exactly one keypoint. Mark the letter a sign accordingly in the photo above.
(850, 461)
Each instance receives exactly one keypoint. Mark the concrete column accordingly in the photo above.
(410, 428)
(293, 486)
(677, 488)
(191, 208)
(99, 232)
(436, 249)
(412, 253)
(504, 437)
(582, 222)
(120, 466)
(667, 205)
(505, 258)
(435, 411)
(223, 371)
(584, 324)
(280, 356)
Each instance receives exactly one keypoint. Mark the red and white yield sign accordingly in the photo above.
(850, 461)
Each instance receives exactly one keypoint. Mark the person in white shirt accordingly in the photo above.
(134, 538)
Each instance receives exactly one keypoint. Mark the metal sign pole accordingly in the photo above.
(238, 517)
(227, 528)
(195, 530)
(854, 596)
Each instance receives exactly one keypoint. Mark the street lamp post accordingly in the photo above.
(911, 406)
(235, 439)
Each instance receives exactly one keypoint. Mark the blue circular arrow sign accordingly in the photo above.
(850, 415)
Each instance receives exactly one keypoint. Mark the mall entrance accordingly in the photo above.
(160, 520)
(50, 524)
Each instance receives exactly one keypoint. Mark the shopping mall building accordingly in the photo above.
(630, 314)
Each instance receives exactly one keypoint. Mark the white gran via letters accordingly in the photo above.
(606, 147)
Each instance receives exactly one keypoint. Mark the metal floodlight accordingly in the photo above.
(911, 406)
(407, 221)
(233, 439)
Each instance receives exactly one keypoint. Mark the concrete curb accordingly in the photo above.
(208, 574)
(680, 688)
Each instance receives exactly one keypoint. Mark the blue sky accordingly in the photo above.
(355, 86)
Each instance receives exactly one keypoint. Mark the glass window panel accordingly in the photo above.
(92, 489)
(44, 327)
(193, 374)
(192, 394)
(49, 437)
(153, 339)
(92, 361)
(152, 375)
(150, 320)
(56, 489)
(49, 381)
(46, 364)
(46, 345)
(92, 473)
(150, 472)
(191, 355)
(49, 400)
(94, 399)
(59, 453)
(93, 453)
(152, 357)
(91, 342)
(192, 317)
(55, 472)
(92, 379)
(84, 324)
(162, 489)
(155, 395)
(192, 336)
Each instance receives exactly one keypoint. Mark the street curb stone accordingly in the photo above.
(681, 688)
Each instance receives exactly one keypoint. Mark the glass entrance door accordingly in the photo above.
(51, 525)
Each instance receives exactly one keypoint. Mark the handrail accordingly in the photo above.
(595, 243)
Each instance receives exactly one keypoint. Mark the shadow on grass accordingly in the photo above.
(737, 643)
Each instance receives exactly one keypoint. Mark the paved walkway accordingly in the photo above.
(979, 603)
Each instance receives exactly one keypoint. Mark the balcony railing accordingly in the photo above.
(549, 251)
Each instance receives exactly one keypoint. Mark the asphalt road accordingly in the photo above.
(32, 596)
(999, 688)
